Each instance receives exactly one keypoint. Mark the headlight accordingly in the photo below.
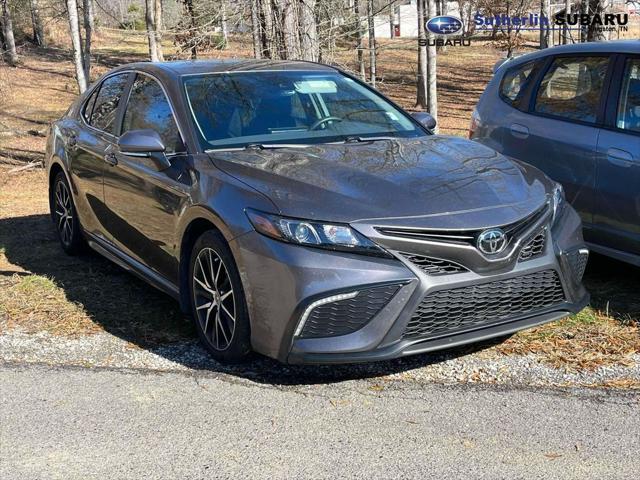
(332, 236)
(558, 200)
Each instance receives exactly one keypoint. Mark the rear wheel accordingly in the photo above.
(217, 300)
(63, 212)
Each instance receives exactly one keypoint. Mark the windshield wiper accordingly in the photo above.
(358, 139)
(258, 146)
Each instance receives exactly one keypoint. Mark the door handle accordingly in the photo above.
(519, 131)
(111, 159)
(619, 157)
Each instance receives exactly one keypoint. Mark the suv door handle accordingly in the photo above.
(519, 131)
(622, 158)
(111, 159)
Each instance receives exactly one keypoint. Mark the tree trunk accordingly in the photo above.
(193, 23)
(149, 17)
(372, 43)
(256, 29)
(158, 29)
(359, 39)
(36, 22)
(289, 13)
(223, 23)
(391, 26)
(76, 44)
(544, 30)
(432, 95)
(308, 31)
(87, 11)
(7, 31)
(421, 100)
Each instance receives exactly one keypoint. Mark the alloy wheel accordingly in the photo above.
(214, 299)
(64, 213)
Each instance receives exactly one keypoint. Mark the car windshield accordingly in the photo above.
(245, 108)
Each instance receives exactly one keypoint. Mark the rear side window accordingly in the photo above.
(103, 116)
(88, 106)
(629, 105)
(514, 82)
(571, 88)
(148, 108)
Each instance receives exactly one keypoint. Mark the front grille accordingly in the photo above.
(475, 306)
(347, 316)
(534, 248)
(464, 237)
(433, 266)
(578, 262)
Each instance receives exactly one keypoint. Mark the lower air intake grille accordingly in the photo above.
(434, 266)
(534, 248)
(578, 261)
(347, 316)
(449, 311)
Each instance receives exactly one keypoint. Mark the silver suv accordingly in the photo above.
(574, 112)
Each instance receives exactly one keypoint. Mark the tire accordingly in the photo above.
(218, 304)
(65, 217)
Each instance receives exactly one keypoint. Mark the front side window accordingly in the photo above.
(629, 105)
(105, 110)
(88, 106)
(148, 108)
(572, 88)
(514, 82)
(239, 109)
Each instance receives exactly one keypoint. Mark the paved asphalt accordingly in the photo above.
(69, 422)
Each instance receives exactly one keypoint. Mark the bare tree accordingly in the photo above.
(359, 40)
(223, 23)
(87, 11)
(76, 44)
(422, 100)
(545, 11)
(158, 30)
(7, 32)
(308, 33)
(372, 43)
(289, 10)
(256, 28)
(36, 23)
(432, 94)
(150, 20)
(565, 28)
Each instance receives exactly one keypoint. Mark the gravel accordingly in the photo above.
(483, 366)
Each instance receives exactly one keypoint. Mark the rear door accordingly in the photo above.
(617, 211)
(559, 132)
(145, 203)
(87, 143)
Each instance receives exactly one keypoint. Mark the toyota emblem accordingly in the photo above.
(492, 241)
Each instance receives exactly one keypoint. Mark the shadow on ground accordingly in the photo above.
(128, 308)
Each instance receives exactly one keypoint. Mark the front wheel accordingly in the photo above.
(65, 217)
(217, 300)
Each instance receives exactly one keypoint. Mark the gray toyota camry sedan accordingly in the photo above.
(296, 212)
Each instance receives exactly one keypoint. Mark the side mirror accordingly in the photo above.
(145, 144)
(425, 119)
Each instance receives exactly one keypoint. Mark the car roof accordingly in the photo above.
(614, 46)
(189, 67)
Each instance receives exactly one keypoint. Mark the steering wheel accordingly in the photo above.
(324, 120)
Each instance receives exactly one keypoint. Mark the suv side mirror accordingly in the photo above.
(425, 119)
(145, 144)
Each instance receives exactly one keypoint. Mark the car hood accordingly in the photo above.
(429, 182)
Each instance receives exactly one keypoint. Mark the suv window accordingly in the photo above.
(515, 81)
(572, 87)
(148, 108)
(629, 105)
(104, 112)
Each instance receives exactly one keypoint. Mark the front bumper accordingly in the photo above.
(282, 281)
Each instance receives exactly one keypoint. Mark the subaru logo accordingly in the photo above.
(492, 241)
(444, 25)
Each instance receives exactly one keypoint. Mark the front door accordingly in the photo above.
(144, 202)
